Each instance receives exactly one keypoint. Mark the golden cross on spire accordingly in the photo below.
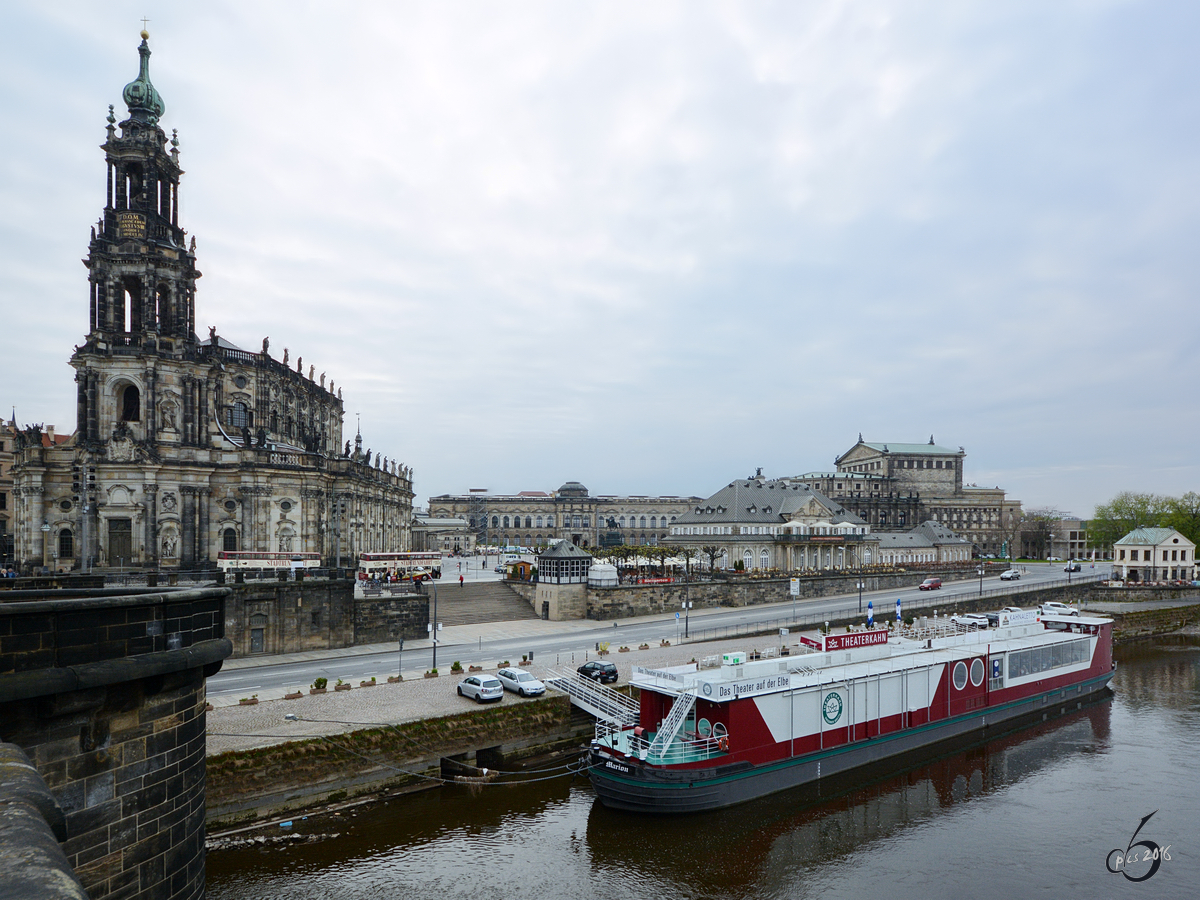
(144, 21)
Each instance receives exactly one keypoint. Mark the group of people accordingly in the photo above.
(8, 572)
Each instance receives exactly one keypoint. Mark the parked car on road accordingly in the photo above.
(521, 683)
(603, 672)
(930, 584)
(481, 687)
(972, 620)
(1010, 575)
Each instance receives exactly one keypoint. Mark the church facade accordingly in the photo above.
(184, 447)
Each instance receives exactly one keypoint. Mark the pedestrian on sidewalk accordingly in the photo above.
(460, 581)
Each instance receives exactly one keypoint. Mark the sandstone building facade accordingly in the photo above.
(185, 447)
(536, 518)
(897, 486)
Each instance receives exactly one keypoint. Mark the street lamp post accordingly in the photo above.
(436, 625)
(400, 670)
(860, 590)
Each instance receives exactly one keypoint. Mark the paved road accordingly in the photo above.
(567, 644)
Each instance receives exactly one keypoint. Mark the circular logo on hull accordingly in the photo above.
(831, 709)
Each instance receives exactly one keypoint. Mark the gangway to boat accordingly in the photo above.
(672, 723)
(606, 704)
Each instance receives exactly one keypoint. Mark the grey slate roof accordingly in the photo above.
(938, 534)
(767, 502)
(564, 550)
(927, 534)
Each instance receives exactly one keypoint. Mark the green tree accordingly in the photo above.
(1125, 512)
(1183, 514)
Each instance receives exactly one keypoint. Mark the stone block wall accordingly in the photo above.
(105, 695)
(313, 614)
(381, 619)
(627, 601)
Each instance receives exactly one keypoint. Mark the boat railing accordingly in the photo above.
(687, 747)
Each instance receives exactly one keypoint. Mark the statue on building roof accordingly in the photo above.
(285, 356)
(266, 346)
(322, 380)
(299, 364)
(212, 334)
(311, 371)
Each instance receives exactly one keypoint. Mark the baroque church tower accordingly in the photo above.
(142, 277)
(188, 449)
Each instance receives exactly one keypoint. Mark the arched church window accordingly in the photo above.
(229, 539)
(506, 521)
(131, 404)
(495, 521)
(66, 544)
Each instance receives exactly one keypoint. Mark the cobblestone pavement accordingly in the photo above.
(247, 727)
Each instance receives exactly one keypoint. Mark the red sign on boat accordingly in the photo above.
(856, 639)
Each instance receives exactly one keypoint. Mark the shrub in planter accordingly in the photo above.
(456, 666)
(294, 695)
(643, 646)
(432, 673)
(393, 679)
(320, 683)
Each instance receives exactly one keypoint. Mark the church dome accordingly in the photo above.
(140, 95)
(572, 489)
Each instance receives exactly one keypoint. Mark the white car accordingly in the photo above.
(1054, 608)
(521, 683)
(969, 620)
(481, 687)
(1010, 575)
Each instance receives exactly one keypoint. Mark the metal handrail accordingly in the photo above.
(927, 601)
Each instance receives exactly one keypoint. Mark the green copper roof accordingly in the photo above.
(139, 95)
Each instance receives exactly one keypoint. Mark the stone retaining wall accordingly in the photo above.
(628, 601)
(316, 614)
(247, 785)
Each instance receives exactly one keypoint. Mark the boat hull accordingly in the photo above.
(627, 784)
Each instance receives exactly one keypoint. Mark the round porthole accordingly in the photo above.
(231, 505)
(977, 672)
(704, 728)
(286, 505)
(960, 675)
(65, 506)
(241, 381)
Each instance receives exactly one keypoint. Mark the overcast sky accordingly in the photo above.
(653, 246)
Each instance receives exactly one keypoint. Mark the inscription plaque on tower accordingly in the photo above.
(131, 225)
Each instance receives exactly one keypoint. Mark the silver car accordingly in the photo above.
(481, 687)
(521, 683)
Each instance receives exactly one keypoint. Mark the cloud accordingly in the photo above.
(654, 247)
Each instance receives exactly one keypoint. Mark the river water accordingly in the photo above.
(1029, 815)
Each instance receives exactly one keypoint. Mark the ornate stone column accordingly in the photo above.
(151, 494)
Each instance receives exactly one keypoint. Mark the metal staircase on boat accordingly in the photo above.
(603, 702)
(671, 724)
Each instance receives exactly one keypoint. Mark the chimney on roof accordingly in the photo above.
(50, 434)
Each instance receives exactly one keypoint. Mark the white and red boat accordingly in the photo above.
(707, 738)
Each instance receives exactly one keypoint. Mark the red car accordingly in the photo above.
(930, 584)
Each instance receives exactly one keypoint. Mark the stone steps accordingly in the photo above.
(478, 602)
